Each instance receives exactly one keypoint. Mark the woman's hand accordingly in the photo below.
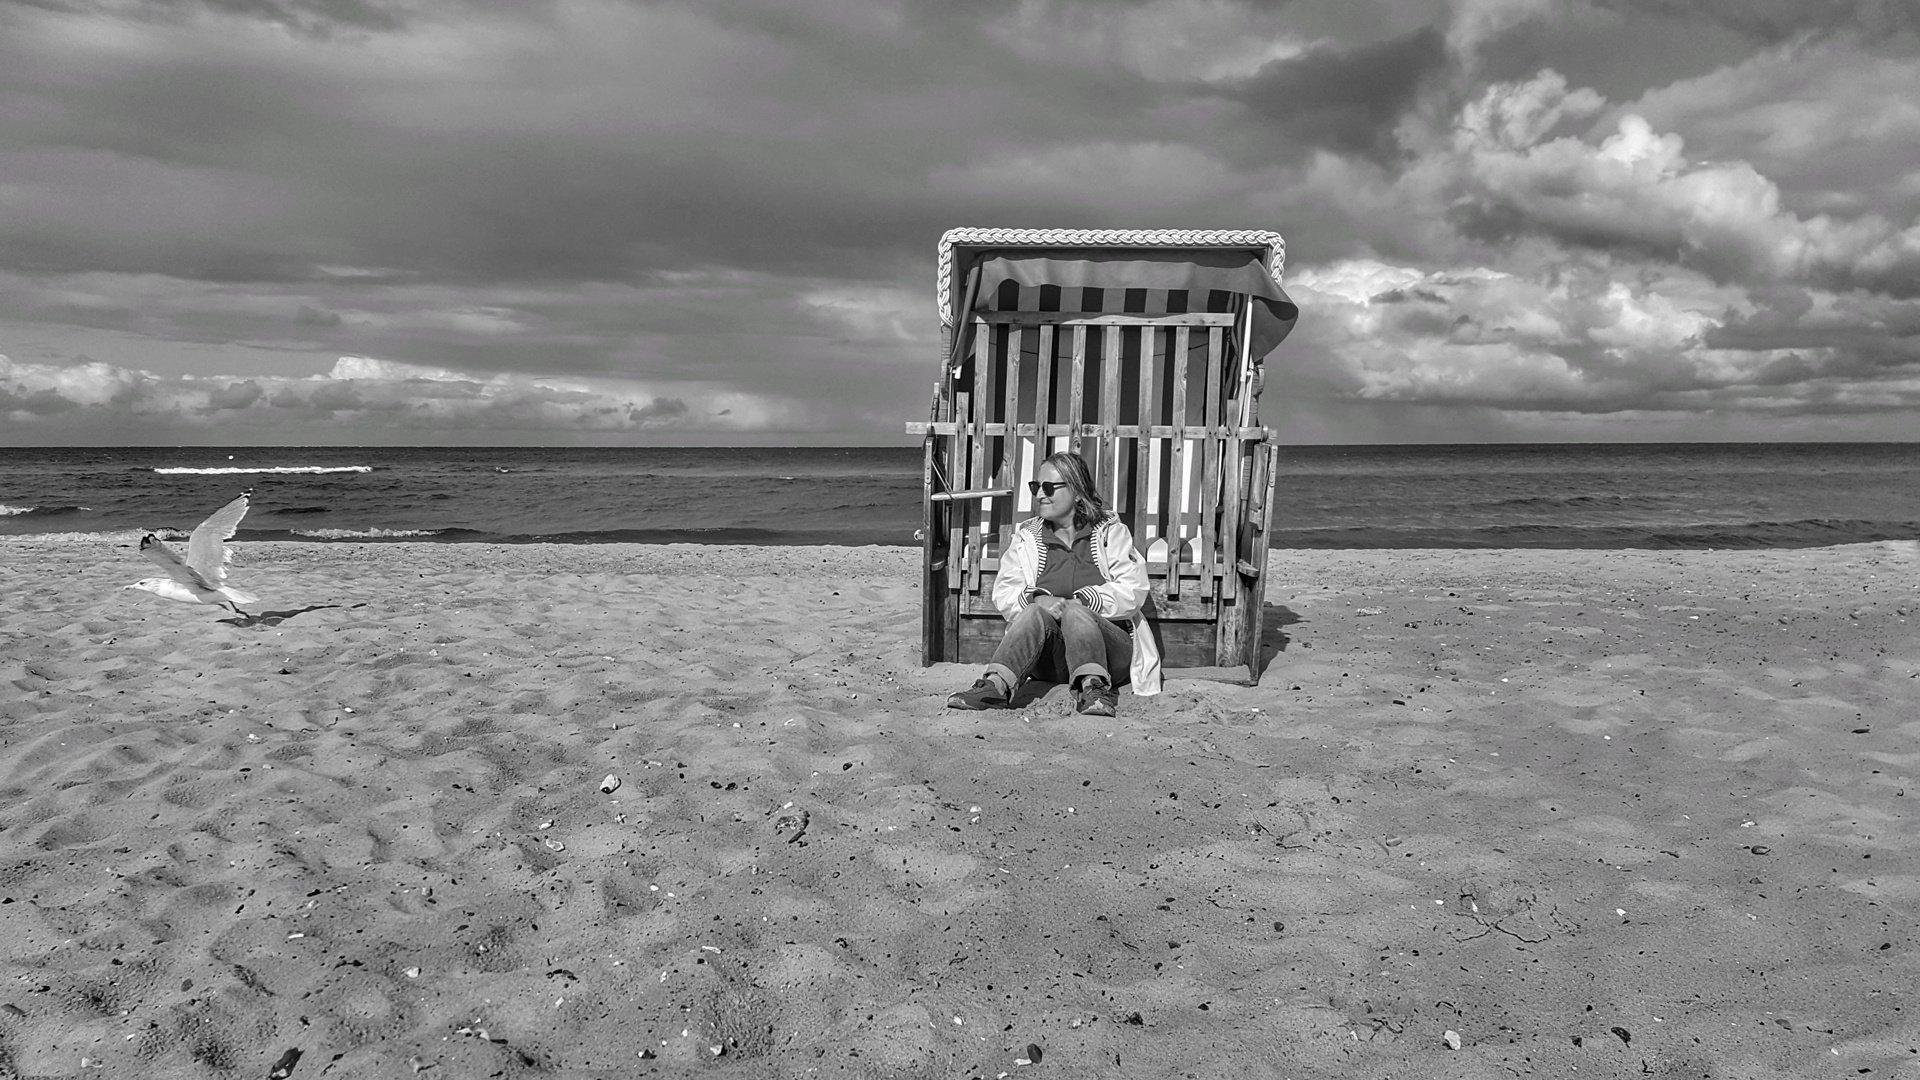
(1055, 606)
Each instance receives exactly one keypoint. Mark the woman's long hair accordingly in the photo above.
(1088, 506)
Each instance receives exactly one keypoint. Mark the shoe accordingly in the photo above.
(1095, 697)
(983, 694)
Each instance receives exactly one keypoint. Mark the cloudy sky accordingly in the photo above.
(647, 222)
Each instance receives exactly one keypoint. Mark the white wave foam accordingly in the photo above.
(363, 534)
(12, 511)
(229, 470)
(130, 537)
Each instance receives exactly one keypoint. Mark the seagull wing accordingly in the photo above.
(158, 553)
(207, 553)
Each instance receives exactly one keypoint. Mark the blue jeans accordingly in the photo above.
(1078, 643)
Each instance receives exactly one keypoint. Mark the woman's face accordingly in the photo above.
(1058, 507)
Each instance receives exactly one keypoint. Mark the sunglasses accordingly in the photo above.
(1044, 487)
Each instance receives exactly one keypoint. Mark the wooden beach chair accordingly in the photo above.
(1142, 350)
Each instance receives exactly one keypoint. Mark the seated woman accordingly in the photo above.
(1072, 588)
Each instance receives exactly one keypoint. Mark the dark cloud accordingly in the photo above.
(237, 395)
(36, 403)
(315, 18)
(811, 157)
(1770, 22)
(1494, 219)
(1883, 331)
(659, 409)
(103, 318)
(334, 396)
(1345, 99)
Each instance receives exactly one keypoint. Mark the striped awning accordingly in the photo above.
(1135, 272)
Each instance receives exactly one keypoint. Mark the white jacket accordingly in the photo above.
(1122, 597)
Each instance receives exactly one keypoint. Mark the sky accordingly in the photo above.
(685, 222)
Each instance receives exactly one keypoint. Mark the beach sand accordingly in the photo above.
(1595, 814)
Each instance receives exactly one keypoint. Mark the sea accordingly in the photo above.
(1557, 495)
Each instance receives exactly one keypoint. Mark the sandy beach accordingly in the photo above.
(1486, 814)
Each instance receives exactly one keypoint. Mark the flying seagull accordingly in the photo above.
(201, 578)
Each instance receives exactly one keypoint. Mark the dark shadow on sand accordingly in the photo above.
(1274, 619)
(275, 618)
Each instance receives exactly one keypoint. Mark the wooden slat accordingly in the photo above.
(1110, 365)
(1192, 603)
(1143, 446)
(1009, 443)
(941, 381)
(1232, 504)
(1175, 517)
(1210, 449)
(977, 450)
(1259, 514)
(1233, 498)
(956, 457)
(1255, 592)
(1189, 572)
(1071, 318)
(1043, 394)
(1186, 644)
(1233, 519)
(954, 557)
(1194, 608)
(932, 594)
(959, 523)
(1125, 431)
(962, 496)
(1235, 458)
(1077, 387)
(1010, 403)
(977, 638)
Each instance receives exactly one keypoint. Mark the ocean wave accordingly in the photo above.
(1557, 501)
(127, 537)
(42, 511)
(234, 470)
(365, 534)
(1804, 533)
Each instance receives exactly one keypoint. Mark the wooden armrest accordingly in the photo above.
(983, 493)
